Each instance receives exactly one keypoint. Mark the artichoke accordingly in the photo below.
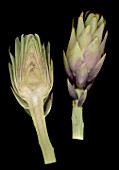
(31, 74)
(82, 61)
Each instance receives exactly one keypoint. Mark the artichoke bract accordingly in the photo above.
(82, 61)
(31, 74)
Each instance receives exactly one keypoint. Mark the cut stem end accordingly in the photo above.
(77, 123)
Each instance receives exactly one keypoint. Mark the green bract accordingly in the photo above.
(31, 74)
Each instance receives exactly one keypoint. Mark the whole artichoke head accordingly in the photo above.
(83, 60)
(85, 52)
(31, 71)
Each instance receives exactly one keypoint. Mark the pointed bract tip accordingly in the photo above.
(71, 90)
(81, 15)
(82, 98)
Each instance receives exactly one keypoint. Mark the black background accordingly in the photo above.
(19, 145)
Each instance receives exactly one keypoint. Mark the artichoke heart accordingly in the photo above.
(31, 71)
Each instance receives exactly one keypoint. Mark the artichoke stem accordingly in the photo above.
(37, 114)
(77, 122)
